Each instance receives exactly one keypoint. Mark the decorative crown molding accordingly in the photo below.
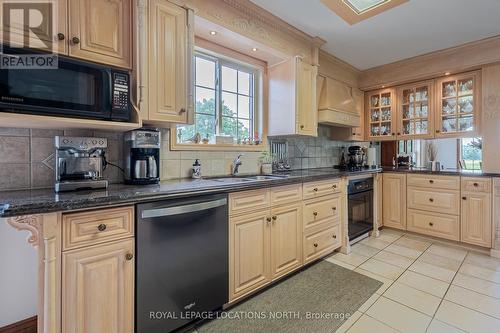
(31, 223)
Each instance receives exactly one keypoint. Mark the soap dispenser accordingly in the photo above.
(196, 172)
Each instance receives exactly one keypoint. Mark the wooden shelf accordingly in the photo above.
(17, 120)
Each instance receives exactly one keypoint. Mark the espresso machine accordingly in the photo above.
(142, 156)
(80, 163)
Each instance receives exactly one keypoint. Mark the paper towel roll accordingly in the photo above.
(371, 157)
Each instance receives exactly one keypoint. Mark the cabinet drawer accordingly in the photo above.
(476, 184)
(318, 189)
(322, 242)
(97, 226)
(442, 201)
(286, 194)
(434, 182)
(249, 201)
(317, 211)
(434, 224)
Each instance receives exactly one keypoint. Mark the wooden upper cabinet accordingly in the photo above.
(381, 115)
(458, 105)
(306, 109)
(168, 62)
(415, 111)
(101, 31)
(98, 289)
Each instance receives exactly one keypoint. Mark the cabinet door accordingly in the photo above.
(415, 111)
(381, 115)
(98, 289)
(286, 239)
(306, 108)
(476, 219)
(458, 105)
(249, 252)
(101, 31)
(394, 200)
(168, 49)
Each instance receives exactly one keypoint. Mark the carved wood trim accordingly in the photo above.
(31, 223)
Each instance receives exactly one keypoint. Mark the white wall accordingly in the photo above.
(18, 276)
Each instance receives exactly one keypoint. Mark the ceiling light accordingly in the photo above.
(383, 86)
(213, 33)
(255, 49)
(447, 73)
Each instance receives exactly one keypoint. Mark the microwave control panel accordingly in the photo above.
(120, 91)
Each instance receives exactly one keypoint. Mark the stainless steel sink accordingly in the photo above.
(265, 177)
(231, 180)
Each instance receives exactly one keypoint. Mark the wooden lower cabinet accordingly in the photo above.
(394, 200)
(434, 224)
(249, 252)
(476, 219)
(321, 241)
(98, 288)
(286, 239)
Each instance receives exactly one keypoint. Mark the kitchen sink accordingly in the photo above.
(265, 177)
(231, 180)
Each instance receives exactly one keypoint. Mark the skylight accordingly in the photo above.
(361, 6)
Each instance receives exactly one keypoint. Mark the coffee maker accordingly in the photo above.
(356, 158)
(79, 163)
(142, 156)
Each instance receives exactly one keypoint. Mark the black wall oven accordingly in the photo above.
(75, 89)
(360, 207)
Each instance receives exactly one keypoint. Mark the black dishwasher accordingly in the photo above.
(181, 261)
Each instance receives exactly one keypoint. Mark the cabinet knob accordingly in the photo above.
(464, 198)
(438, 131)
(393, 134)
(431, 200)
(181, 111)
(129, 256)
(315, 189)
(334, 236)
(75, 40)
(315, 244)
(61, 36)
(268, 219)
(334, 186)
(431, 224)
(353, 133)
(275, 218)
(315, 213)
(399, 133)
(476, 184)
(431, 181)
(101, 227)
(334, 208)
(301, 126)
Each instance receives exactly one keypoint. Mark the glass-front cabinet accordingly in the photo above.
(415, 111)
(458, 103)
(381, 115)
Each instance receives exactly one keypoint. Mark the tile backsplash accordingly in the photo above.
(28, 156)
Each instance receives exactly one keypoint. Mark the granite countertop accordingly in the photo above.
(26, 202)
(445, 172)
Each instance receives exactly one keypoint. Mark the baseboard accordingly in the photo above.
(24, 326)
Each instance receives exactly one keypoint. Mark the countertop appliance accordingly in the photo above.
(360, 208)
(355, 157)
(76, 89)
(80, 163)
(181, 260)
(142, 156)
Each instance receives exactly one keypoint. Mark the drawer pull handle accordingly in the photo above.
(334, 236)
(75, 40)
(334, 208)
(275, 218)
(334, 186)
(315, 213)
(464, 198)
(476, 184)
(268, 219)
(181, 111)
(431, 200)
(431, 224)
(61, 36)
(129, 256)
(315, 244)
(101, 227)
(315, 189)
(431, 181)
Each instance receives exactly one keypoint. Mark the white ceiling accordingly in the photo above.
(413, 28)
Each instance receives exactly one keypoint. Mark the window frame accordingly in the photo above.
(256, 108)
(460, 154)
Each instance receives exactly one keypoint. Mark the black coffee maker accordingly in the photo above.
(142, 156)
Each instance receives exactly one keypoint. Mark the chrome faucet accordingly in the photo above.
(236, 164)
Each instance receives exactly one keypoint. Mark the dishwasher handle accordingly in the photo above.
(184, 209)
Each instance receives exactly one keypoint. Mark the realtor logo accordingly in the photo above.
(27, 35)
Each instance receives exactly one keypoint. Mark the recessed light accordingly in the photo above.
(447, 73)
(213, 33)
(255, 49)
(383, 86)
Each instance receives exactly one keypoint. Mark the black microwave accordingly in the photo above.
(76, 89)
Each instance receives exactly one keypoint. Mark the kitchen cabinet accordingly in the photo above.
(101, 31)
(169, 63)
(353, 133)
(476, 214)
(381, 116)
(458, 105)
(394, 200)
(292, 98)
(286, 239)
(415, 111)
(98, 289)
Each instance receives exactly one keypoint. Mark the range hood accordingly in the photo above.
(337, 104)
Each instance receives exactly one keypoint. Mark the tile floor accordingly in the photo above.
(427, 286)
